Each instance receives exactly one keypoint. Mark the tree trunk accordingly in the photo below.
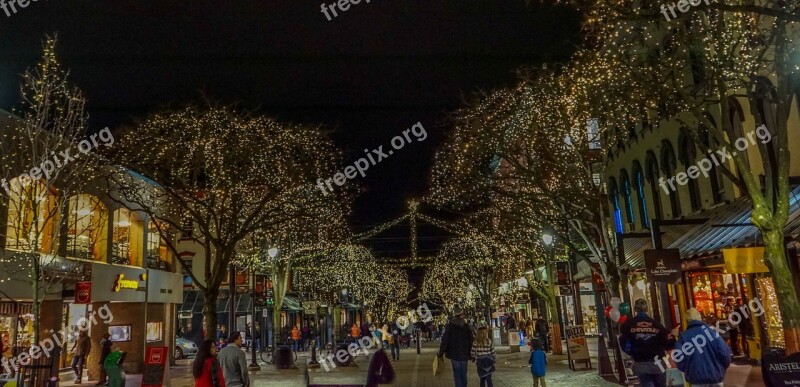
(210, 311)
(784, 288)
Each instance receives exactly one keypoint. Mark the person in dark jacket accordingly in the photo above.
(105, 350)
(707, 357)
(542, 331)
(646, 341)
(457, 345)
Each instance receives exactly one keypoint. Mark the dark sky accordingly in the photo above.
(369, 74)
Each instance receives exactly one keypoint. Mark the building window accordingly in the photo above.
(158, 254)
(32, 211)
(593, 130)
(126, 238)
(688, 156)
(735, 129)
(653, 175)
(627, 197)
(638, 183)
(613, 197)
(669, 164)
(87, 227)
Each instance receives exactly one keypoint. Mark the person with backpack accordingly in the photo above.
(483, 354)
(538, 362)
(457, 345)
(706, 365)
(646, 340)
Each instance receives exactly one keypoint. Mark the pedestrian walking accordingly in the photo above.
(483, 354)
(222, 333)
(206, 369)
(306, 332)
(702, 366)
(234, 362)
(80, 350)
(457, 344)
(355, 332)
(257, 336)
(105, 350)
(542, 332)
(646, 341)
(538, 362)
(395, 342)
(295, 338)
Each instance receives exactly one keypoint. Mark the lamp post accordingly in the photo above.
(272, 252)
(550, 267)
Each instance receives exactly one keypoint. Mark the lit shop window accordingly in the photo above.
(158, 255)
(87, 227)
(32, 211)
(126, 238)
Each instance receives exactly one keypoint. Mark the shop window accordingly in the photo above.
(32, 212)
(158, 254)
(87, 227)
(126, 238)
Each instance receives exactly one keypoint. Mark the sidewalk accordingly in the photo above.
(416, 370)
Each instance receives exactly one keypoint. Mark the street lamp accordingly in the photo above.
(272, 252)
(547, 239)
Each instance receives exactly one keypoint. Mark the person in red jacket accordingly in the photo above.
(206, 370)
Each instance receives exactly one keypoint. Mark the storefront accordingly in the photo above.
(136, 307)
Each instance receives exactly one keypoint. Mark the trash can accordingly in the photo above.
(284, 357)
(342, 346)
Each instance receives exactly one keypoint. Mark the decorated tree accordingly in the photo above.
(229, 174)
(44, 162)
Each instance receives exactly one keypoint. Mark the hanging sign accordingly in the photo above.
(663, 265)
(83, 292)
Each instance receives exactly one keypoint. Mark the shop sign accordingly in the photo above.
(565, 290)
(781, 371)
(576, 343)
(745, 260)
(121, 283)
(663, 265)
(154, 364)
(83, 292)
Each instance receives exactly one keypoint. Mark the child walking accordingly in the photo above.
(538, 362)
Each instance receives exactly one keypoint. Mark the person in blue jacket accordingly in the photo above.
(701, 353)
(538, 362)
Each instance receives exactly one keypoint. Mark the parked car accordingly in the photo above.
(184, 348)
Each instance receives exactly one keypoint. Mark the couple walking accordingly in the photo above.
(460, 346)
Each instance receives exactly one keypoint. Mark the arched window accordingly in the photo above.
(626, 195)
(669, 164)
(613, 197)
(766, 106)
(127, 238)
(715, 176)
(653, 174)
(32, 212)
(735, 130)
(688, 156)
(638, 185)
(87, 228)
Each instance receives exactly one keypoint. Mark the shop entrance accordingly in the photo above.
(73, 313)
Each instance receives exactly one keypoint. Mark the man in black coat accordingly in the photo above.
(457, 344)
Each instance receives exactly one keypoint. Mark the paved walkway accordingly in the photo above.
(415, 370)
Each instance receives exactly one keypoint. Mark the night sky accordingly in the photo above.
(368, 74)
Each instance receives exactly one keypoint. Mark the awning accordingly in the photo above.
(703, 240)
(193, 302)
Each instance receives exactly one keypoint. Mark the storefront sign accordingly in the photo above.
(745, 260)
(121, 283)
(576, 343)
(663, 265)
(781, 371)
(83, 292)
(154, 363)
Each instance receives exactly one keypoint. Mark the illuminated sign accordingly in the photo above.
(121, 283)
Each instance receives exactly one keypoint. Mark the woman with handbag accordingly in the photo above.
(483, 355)
(206, 369)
